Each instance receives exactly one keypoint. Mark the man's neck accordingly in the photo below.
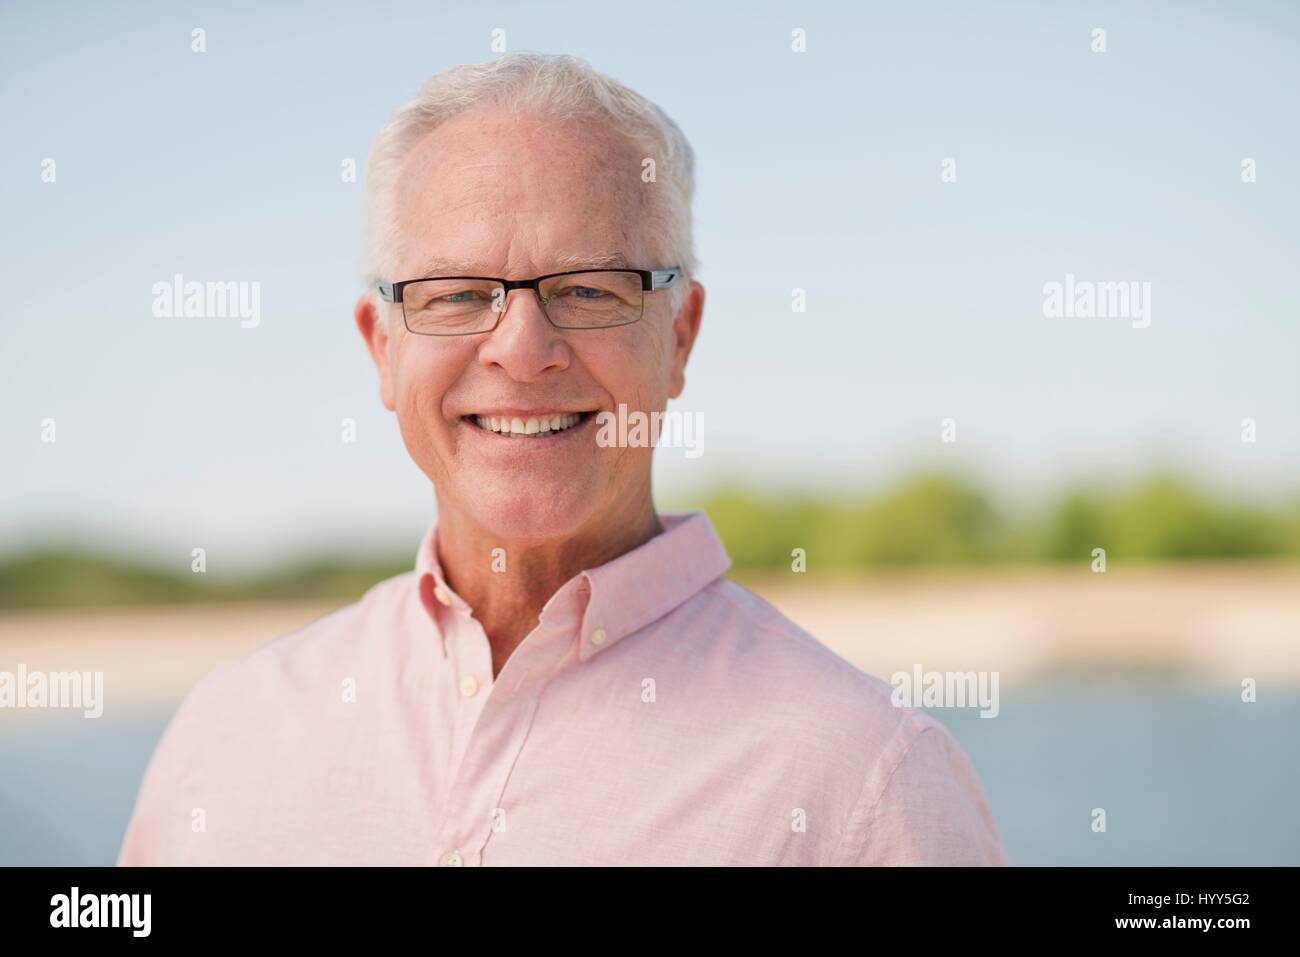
(507, 589)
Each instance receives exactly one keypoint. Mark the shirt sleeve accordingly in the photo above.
(929, 811)
(161, 817)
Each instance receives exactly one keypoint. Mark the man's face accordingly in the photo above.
(494, 194)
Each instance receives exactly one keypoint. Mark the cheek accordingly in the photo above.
(419, 404)
(420, 384)
(636, 370)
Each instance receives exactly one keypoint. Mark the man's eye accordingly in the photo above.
(466, 295)
(583, 292)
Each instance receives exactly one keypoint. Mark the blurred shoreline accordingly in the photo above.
(1214, 623)
(1208, 623)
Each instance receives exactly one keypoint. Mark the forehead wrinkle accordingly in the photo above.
(448, 266)
(587, 183)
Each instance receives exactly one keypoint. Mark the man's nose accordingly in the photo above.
(525, 344)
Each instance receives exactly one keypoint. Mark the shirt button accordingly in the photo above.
(469, 686)
(442, 595)
(452, 860)
(598, 636)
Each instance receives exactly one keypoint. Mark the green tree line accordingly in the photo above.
(946, 519)
(925, 519)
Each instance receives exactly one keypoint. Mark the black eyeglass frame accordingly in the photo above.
(652, 280)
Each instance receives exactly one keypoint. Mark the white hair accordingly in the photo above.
(556, 85)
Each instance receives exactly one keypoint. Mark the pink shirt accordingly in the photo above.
(658, 714)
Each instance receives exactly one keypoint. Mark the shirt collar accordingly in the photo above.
(622, 596)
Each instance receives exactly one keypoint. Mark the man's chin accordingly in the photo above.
(546, 513)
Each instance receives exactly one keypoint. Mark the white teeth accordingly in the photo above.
(534, 425)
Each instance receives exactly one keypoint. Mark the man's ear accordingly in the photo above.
(686, 326)
(374, 330)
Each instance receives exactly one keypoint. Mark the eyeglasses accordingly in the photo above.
(470, 305)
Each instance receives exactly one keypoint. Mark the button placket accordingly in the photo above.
(472, 663)
(492, 743)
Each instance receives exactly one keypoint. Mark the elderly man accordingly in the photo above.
(566, 677)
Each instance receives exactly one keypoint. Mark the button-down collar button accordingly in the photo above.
(442, 595)
(452, 859)
(469, 686)
(598, 637)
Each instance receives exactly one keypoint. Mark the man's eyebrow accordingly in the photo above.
(442, 266)
(449, 267)
(610, 261)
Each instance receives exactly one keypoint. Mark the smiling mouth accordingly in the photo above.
(534, 426)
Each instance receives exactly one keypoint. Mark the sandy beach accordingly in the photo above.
(1215, 624)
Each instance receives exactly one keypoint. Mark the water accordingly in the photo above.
(68, 784)
(1186, 776)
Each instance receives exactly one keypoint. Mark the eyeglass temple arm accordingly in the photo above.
(663, 278)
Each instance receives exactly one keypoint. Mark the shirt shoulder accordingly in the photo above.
(782, 659)
(345, 637)
(784, 685)
(912, 794)
(253, 715)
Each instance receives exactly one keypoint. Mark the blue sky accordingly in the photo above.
(817, 170)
